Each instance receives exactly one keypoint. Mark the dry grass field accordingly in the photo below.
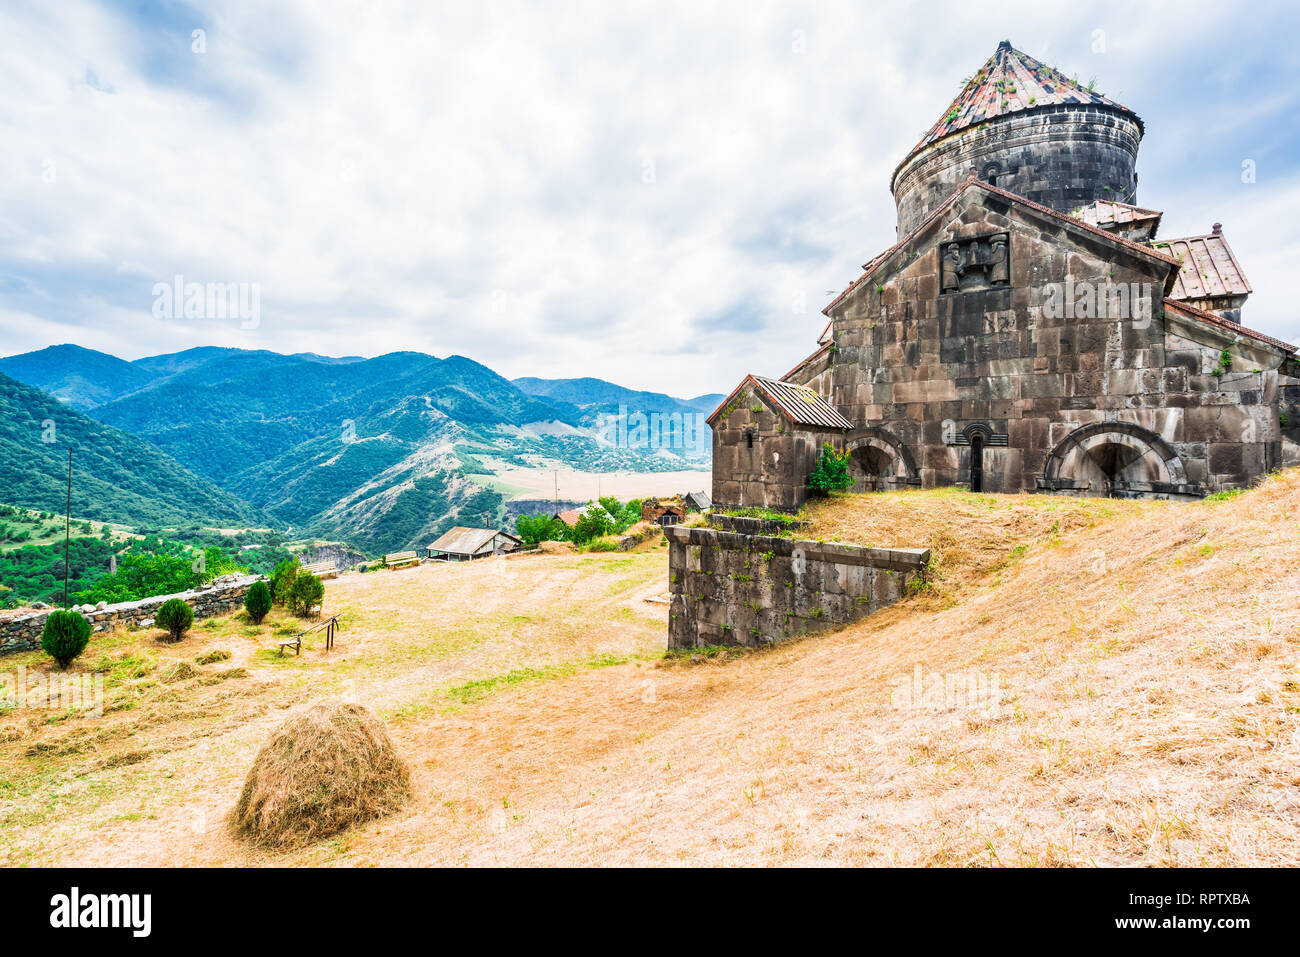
(1086, 683)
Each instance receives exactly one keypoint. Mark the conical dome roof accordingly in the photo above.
(1011, 82)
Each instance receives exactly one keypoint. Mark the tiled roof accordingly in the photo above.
(1105, 213)
(571, 516)
(1227, 324)
(802, 404)
(1208, 267)
(821, 351)
(1011, 82)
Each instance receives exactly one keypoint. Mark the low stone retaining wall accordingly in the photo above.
(728, 588)
(221, 597)
(754, 526)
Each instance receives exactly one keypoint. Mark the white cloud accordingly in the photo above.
(637, 192)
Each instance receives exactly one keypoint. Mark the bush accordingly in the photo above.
(258, 601)
(532, 529)
(307, 592)
(65, 637)
(594, 523)
(176, 617)
(282, 580)
(832, 472)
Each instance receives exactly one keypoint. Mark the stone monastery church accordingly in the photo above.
(1030, 331)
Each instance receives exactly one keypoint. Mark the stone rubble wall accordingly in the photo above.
(749, 525)
(729, 588)
(220, 597)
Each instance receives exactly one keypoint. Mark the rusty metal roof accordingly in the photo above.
(1209, 269)
(1011, 82)
(1105, 213)
(801, 403)
(466, 541)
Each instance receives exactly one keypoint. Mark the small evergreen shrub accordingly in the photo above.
(258, 601)
(282, 580)
(65, 637)
(307, 592)
(176, 617)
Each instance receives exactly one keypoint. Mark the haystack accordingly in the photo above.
(324, 770)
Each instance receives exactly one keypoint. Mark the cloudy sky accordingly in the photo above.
(663, 194)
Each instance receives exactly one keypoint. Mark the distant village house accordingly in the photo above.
(664, 511)
(465, 544)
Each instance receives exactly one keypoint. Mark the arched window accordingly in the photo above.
(749, 440)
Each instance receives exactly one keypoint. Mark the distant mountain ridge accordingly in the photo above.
(382, 452)
(117, 477)
(588, 393)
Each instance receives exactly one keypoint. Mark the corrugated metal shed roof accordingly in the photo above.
(466, 541)
(1209, 269)
(700, 500)
(1104, 213)
(1011, 82)
(802, 404)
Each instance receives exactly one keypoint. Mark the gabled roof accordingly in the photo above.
(1011, 82)
(1209, 318)
(1146, 252)
(821, 351)
(571, 516)
(466, 541)
(1208, 267)
(798, 403)
(700, 500)
(1106, 213)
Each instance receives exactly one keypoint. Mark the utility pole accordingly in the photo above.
(67, 531)
(556, 473)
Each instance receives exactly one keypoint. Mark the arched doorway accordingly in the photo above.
(1114, 459)
(878, 460)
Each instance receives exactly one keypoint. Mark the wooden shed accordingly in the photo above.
(465, 544)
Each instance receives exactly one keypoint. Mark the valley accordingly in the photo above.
(383, 453)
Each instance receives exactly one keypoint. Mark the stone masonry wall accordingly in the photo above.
(1063, 157)
(770, 472)
(927, 369)
(729, 588)
(218, 598)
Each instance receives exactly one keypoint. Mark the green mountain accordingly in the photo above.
(385, 453)
(597, 395)
(116, 477)
(80, 377)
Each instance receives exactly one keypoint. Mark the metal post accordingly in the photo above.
(67, 531)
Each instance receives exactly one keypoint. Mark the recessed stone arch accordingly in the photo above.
(1116, 459)
(879, 460)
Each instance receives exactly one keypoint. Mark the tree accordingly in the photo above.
(65, 636)
(593, 523)
(532, 529)
(176, 617)
(832, 472)
(258, 601)
(306, 593)
(282, 579)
